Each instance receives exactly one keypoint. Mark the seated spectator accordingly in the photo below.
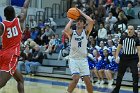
(102, 33)
(48, 32)
(116, 40)
(36, 60)
(101, 48)
(52, 24)
(110, 46)
(105, 60)
(26, 33)
(40, 24)
(65, 49)
(110, 20)
(30, 42)
(111, 69)
(34, 33)
(109, 37)
(51, 45)
(21, 61)
(57, 46)
(93, 59)
(33, 23)
(121, 23)
(129, 11)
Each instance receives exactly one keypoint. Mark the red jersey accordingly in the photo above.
(12, 35)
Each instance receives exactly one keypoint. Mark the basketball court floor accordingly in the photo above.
(34, 84)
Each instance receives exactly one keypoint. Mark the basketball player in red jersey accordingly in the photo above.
(11, 34)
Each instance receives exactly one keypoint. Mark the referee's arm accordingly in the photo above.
(118, 50)
(138, 48)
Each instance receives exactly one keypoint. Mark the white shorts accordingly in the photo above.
(79, 66)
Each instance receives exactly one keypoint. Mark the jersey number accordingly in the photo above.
(12, 32)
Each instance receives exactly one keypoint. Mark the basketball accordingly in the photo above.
(73, 13)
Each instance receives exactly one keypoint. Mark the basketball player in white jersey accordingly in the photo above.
(78, 63)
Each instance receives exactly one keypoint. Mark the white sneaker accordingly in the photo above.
(102, 83)
(110, 82)
(80, 82)
(97, 83)
(110, 86)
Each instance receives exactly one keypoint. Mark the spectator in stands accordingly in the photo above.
(65, 49)
(93, 60)
(26, 33)
(30, 42)
(57, 46)
(105, 60)
(36, 60)
(88, 9)
(102, 33)
(111, 20)
(40, 24)
(102, 46)
(95, 15)
(111, 69)
(92, 46)
(109, 37)
(64, 36)
(113, 9)
(89, 41)
(52, 24)
(122, 22)
(118, 10)
(51, 45)
(33, 23)
(21, 61)
(116, 40)
(93, 7)
(110, 46)
(48, 32)
(101, 11)
(79, 4)
(25, 56)
(35, 33)
(129, 11)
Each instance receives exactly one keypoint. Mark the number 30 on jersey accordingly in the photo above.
(12, 32)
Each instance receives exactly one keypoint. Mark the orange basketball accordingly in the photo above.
(73, 13)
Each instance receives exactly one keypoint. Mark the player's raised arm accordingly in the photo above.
(67, 29)
(24, 11)
(89, 24)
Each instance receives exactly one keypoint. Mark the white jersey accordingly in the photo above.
(78, 44)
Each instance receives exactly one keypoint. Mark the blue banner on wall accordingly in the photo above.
(17, 2)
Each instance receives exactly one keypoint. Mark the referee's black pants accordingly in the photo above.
(123, 65)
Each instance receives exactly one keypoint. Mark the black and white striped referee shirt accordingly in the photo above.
(129, 45)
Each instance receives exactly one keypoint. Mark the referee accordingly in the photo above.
(129, 58)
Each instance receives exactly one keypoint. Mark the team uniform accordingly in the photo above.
(78, 63)
(113, 66)
(92, 61)
(11, 39)
(103, 63)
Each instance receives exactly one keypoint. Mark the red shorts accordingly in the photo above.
(8, 60)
